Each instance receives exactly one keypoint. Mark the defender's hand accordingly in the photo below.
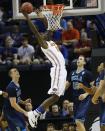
(80, 85)
(82, 97)
(5, 94)
(95, 101)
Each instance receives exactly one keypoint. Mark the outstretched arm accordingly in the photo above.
(33, 28)
(99, 91)
(86, 89)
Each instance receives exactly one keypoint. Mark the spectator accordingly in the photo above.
(83, 47)
(50, 127)
(8, 53)
(16, 35)
(65, 108)
(64, 24)
(2, 24)
(70, 37)
(70, 110)
(55, 113)
(65, 127)
(93, 34)
(72, 127)
(3, 123)
(26, 52)
(28, 107)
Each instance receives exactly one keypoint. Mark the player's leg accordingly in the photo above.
(56, 91)
(16, 121)
(34, 115)
(80, 113)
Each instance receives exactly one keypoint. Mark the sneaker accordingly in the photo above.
(33, 118)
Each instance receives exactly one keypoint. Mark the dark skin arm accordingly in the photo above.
(86, 89)
(33, 28)
(99, 91)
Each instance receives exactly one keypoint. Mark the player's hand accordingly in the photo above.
(5, 94)
(95, 101)
(80, 85)
(82, 96)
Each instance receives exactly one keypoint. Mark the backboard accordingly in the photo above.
(72, 7)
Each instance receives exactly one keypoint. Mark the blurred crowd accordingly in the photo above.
(18, 46)
(63, 111)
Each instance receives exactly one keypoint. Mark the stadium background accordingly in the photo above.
(35, 79)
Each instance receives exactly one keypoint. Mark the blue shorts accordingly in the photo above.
(102, 113)
(15, 120)
(81, 108)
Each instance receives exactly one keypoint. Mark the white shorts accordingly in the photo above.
(58, 81)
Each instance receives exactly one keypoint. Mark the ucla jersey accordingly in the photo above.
(13, 90)
(101, 76)
(54, 55)
(14, 118)
(84, 77)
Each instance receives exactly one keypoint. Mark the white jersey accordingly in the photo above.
(54, 55)
(58, 71)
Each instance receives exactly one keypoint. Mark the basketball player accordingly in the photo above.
(58, 73)
(13, 113)
(80, 98)
(99, 91)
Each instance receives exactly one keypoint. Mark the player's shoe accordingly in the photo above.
(33, 118)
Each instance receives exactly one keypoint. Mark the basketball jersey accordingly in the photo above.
(84, 77)
(54, 55)
(100, 77)
(13, 90)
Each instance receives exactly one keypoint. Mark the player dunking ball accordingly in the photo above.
(58, 73)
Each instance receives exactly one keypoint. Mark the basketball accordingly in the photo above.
(27, 7)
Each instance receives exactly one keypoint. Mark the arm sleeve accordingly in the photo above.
(11, 91)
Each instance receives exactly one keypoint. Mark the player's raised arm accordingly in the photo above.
(33, 28)
(86, 89)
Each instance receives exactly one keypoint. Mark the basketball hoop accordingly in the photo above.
(53, 14)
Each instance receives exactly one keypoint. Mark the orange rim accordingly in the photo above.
(57, 9)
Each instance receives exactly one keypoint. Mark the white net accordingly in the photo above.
(53, 17)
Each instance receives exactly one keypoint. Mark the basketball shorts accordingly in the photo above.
(58, 81)
(16, 120)
(102, 113)
(81, 108)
